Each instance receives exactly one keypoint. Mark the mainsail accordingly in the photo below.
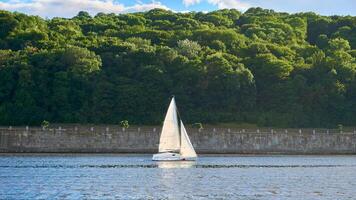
(169, 140)
(186, 148)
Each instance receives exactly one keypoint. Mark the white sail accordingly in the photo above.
(186, 148)
(169, 140)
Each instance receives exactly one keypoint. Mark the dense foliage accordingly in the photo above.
(261, 66)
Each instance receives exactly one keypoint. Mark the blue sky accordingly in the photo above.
(69, 8)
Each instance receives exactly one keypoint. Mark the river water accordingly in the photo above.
(103, 176)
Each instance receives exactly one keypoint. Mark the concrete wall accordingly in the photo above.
(137, 140)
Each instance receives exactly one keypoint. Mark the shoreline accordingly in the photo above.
(150, 154)
(145, 141)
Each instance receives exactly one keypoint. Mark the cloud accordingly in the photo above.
(191, 2)
(230, 4)
(145, 7)
(221, 4)
(69, 8)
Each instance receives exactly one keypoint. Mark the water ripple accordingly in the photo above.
(173, 165)
(137, 177)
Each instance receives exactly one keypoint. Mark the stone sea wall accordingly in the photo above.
(145, 140)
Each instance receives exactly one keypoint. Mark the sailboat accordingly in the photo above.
(174, 143)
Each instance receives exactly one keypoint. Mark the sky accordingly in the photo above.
(69, 8)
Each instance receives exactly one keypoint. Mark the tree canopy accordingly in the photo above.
(261, 66)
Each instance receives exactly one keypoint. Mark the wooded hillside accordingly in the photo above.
(261, 66)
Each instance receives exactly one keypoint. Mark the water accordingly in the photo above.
(211, 177)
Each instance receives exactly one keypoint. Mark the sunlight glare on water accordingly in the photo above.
(104, 176)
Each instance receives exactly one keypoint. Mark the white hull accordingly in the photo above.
(168, 156)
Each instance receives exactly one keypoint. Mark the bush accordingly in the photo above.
(340, 127)
(45, 124)
(197, 125)
(124, 124)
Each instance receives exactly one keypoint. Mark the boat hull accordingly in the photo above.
(168, 156)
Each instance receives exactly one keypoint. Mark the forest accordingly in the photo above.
(260, 67)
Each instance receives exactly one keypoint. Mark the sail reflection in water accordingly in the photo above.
(171, 165)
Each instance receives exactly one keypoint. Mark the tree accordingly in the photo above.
(188, 48)
(80, 61)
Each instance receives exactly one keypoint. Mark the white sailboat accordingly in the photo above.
(174, 143)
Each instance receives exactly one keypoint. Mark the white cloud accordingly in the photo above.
(191, 2)
(69, 8)
(221, 4)
(145, 7)
(230, 4)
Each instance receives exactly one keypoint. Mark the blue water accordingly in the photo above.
(105, 176)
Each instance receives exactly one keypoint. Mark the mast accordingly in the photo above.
(179, 126)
